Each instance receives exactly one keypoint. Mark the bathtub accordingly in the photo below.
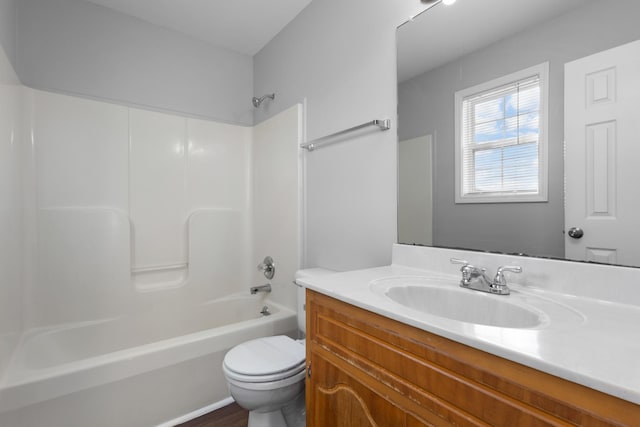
(142, 370)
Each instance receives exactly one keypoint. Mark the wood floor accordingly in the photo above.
(229, 416)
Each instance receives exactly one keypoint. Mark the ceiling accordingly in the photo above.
(243, 26)
(444, 33)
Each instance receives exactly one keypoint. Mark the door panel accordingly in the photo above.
(602, 128)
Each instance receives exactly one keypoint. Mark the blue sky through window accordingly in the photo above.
(510, 118)
(510, 168)
(512, 115)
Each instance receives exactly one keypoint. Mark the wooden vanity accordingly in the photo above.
(364, 369)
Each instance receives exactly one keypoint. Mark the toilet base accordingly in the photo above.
(292, 415)
(295, 413)
(266, 419)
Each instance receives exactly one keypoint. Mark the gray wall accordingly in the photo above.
(8, 28)
(426, 107)
(340, 56)
(76, 47)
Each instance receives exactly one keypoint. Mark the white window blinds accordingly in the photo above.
(500, 140)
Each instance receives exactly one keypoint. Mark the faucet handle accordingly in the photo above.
(268, 267)
(512, 268)
(465, 270)
(499, 281)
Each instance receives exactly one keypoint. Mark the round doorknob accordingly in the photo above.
(576, 232)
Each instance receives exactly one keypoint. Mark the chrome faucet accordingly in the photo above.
(476, 278)
(264, 288)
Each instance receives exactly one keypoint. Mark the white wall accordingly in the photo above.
(10, 210)
(340, 56)
(76, 47)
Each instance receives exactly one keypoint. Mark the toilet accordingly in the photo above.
(266, 375)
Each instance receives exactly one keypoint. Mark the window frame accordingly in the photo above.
(540, 70)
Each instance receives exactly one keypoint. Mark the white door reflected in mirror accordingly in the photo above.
(602, 124)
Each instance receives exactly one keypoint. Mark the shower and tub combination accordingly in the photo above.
(141, 232)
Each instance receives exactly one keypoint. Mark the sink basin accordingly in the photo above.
(444, 298)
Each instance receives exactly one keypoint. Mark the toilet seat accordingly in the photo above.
(263, 360)
(269, 386)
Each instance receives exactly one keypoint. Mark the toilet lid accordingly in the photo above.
(265, 356)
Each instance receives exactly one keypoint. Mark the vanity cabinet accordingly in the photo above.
(364, 369)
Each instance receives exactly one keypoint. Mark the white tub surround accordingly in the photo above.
(131, 208)
(11, 256)
(276, 201)
(590, 313)
(128, 231)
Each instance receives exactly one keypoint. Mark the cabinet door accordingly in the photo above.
(334, 398)
(368, 370)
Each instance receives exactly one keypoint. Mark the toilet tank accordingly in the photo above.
(300, 307)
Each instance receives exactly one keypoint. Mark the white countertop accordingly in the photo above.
(586, 340)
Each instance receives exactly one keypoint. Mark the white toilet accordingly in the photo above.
(266, 375)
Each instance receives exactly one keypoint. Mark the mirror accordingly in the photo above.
(449, 49)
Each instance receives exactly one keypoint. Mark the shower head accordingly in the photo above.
(257, 101)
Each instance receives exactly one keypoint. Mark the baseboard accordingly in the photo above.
(197, 413)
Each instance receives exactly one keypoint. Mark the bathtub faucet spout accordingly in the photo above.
(264, 288)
